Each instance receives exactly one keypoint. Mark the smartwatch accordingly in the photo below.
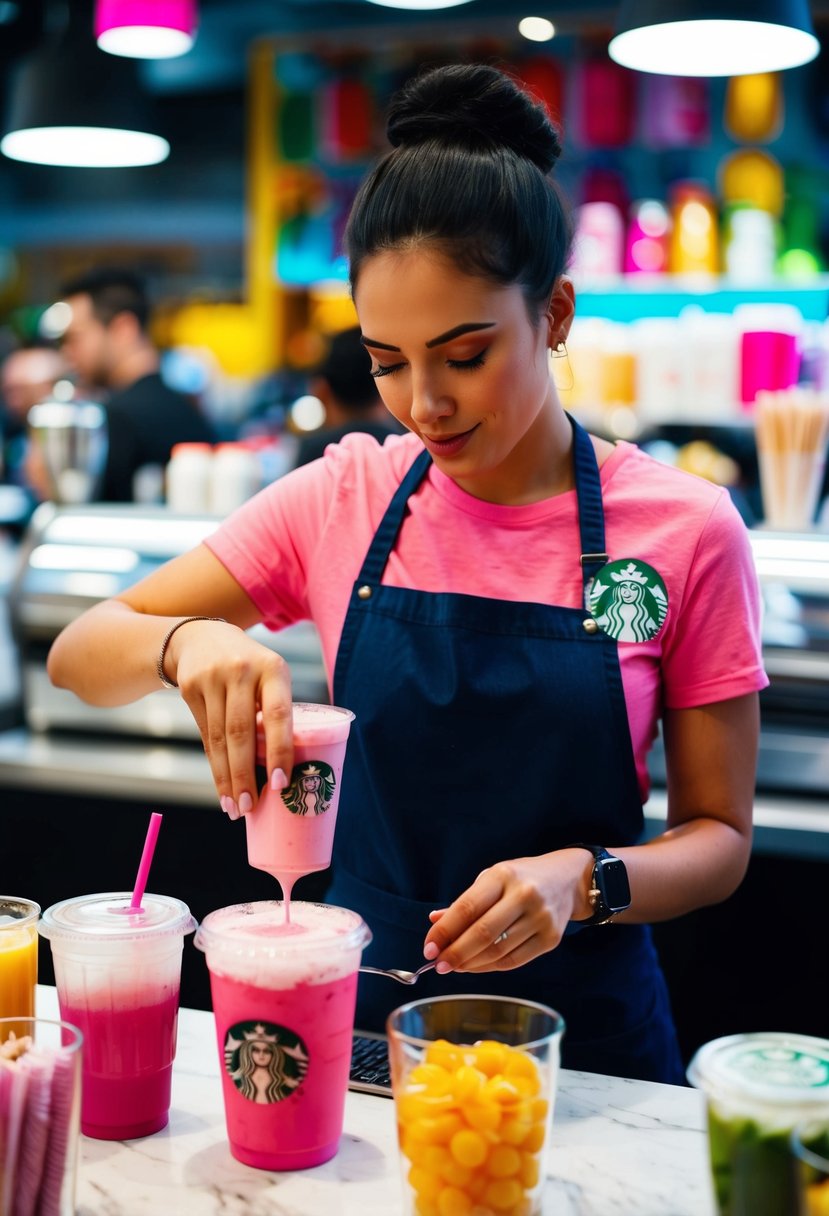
(609, 891)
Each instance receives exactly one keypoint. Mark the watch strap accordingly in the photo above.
(602, 914)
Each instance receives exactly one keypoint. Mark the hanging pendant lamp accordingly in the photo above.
(70, 104)
(146, 29)
(713, 37)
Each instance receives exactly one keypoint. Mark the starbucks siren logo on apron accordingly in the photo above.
(628, 600)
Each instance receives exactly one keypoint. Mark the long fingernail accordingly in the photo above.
(279, 779)
(443, 968)
(431, 950)
(245, 803)
(229, 806)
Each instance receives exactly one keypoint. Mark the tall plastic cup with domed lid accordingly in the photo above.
(758, 1087)
(284, 995)
(118, 975)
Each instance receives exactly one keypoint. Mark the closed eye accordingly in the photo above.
(386, 369)
(468, 364)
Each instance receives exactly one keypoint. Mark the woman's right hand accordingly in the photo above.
(109, 654)
(227, 679)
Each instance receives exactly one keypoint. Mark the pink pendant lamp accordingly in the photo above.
(145, 29)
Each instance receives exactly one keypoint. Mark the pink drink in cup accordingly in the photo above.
(118, 973)
(291, 833)
(283, 998)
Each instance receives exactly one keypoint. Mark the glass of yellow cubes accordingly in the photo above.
(474, 1082)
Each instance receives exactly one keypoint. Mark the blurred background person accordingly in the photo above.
(345, 386)
(27, 376)
(108, 346)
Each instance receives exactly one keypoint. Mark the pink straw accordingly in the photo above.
(146, 862)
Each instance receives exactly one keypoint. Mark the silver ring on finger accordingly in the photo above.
(502, 937)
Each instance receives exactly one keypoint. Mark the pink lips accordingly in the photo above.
(449, 446)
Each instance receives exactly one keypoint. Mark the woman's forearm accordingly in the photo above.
(108, 655)
(697, 863)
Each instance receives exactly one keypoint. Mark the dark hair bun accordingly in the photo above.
(474, 106)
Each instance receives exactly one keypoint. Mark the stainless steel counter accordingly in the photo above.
(169, 772)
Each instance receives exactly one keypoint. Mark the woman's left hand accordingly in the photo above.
(513, 912)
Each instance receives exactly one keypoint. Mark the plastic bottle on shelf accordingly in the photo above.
(769, 348)
(709, 345)
(694, 243)
(234, 477)
(188, 478)
(658, 377)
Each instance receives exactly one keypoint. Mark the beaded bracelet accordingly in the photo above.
(185, 620)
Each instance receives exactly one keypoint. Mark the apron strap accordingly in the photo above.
(385, 537)
(591, 511)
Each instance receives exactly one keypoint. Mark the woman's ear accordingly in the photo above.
(560, 311)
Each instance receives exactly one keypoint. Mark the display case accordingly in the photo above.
(73, 557)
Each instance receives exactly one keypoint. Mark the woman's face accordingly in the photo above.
(262, 1054)
(459, 362)
(628, 593)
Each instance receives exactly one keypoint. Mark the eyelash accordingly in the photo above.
(461, 365)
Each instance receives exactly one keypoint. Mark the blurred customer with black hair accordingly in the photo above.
(345, 386)
(108, 345)
(27, 376)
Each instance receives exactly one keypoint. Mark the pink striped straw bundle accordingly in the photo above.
(38, 1109)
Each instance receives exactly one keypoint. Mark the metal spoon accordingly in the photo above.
(395, 973)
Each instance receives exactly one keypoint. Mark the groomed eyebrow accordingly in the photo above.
(468, 328)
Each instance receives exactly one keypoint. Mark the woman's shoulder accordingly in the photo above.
(635, 473)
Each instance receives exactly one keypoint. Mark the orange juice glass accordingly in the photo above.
(18, 956)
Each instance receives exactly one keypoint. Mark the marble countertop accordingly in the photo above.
(619, 1148)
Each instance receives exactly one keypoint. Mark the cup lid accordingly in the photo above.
(770, 1066)
(259, 929)
(109, 916)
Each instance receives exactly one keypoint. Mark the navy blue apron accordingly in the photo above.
(487, 729)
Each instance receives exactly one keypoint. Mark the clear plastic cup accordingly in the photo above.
(810, 1149)
(474, 1080)
(118, 974)
(291, 833)
(758, 1087)
(40, 1097)
(18, 956)
(283, 998)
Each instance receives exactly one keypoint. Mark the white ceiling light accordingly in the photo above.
(85, 147)
(69, 104)
(146, 29)
(419, 4)
(713, 37)
(536, 29)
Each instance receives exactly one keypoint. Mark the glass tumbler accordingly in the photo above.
(474, 1081)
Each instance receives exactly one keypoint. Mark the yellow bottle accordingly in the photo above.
(18, 958)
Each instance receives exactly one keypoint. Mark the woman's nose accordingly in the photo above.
(428, 402)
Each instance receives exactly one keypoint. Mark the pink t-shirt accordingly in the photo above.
(297, 548)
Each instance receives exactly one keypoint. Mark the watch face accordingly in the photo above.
(613, 883)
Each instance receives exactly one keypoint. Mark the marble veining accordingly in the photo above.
(619, 1148)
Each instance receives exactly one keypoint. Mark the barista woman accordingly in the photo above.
(471, 582)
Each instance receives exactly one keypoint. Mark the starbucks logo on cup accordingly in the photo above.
(264, 1061)
(311, 789)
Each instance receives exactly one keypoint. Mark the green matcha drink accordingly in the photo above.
(758, 1087)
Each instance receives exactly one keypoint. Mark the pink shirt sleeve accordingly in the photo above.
(714, 650)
